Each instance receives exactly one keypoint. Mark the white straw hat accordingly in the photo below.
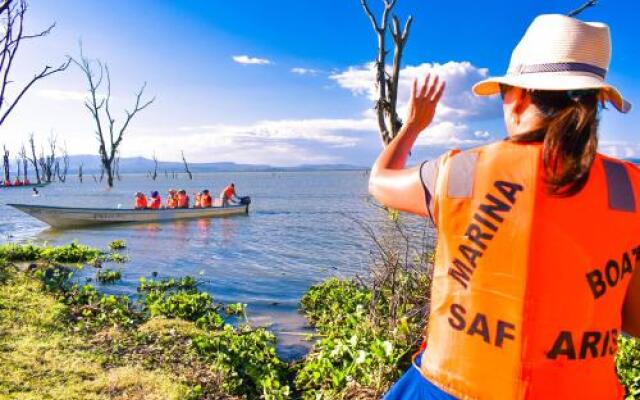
(560, 53)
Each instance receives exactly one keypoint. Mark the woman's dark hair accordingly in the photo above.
(569, 136)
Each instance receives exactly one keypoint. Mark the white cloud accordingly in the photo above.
(620, 149)
(448, 134)
(458, 107)
(326, 131)
(248, 60)
(275, 142)
(305, 71)
(457, 104)
(62, 95)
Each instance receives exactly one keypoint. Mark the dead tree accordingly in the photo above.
(186, 166)
(25, 162)
(387, 84)
(48, 162)
(19, 165)
(5, 165)
(583, 7)
(109, 136)
(61, 172)
(80, 172)
(116, 167)
(154, 175)
(33, 159)
(12, 34)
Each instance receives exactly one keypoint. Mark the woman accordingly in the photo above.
(536, 270)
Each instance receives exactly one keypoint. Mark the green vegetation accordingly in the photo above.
(60, 339)
(118, 244)
(108, 275)
(628, 364)
(67, 254)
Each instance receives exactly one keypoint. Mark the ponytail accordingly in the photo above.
(569, 135)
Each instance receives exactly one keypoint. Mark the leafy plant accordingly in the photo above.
(186, 283)
(628, 365)
(118, 245)
(70, 253)
(108, 275)
(248, 359)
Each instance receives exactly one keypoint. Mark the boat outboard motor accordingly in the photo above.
(245, 200)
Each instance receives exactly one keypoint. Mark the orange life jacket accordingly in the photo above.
(17, 182)
(528, 288)
(228, 192)
(183, 201)
(172, 202)
(8, 183)
(26, 182)
(206, 201)
(141, 202)
(155, 203)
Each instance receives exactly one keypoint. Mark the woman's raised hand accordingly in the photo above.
(423, 102)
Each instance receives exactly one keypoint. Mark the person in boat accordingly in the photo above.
(197, 200)
(26, 181)
(228, 195)
(17, 182)
(536, 271)
(172, 199)
(156, 201)
(140, 201)
(206, 201)
(7, 182)
(183, 199)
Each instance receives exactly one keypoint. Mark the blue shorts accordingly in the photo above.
(413, 386)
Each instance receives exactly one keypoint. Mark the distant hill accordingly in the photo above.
(91, 164)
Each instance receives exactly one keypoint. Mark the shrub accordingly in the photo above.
(70, 253)
(628, 365)
(248, 359)
(108, 275)
(118, 245)
(353, 350)
(186, 283)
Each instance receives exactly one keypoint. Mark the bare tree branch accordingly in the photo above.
(186, 165)
(583, 7)
(13, 14)
(387, 84)
(98, 77)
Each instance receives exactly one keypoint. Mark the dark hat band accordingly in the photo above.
(557, 67)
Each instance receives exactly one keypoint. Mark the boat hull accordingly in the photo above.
(32, 185)
(67, 217)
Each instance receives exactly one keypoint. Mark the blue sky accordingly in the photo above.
(288, 82)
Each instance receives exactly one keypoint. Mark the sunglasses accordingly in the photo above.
(503, 90)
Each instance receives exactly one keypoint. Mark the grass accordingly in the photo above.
(41, 360)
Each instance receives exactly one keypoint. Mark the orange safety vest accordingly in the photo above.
(183, 201)
(171, 202)
(228, 193)
(528, 288)
(155, 203)
(206, 201)
(141, 202)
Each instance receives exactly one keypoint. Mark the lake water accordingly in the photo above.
(300, 231)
